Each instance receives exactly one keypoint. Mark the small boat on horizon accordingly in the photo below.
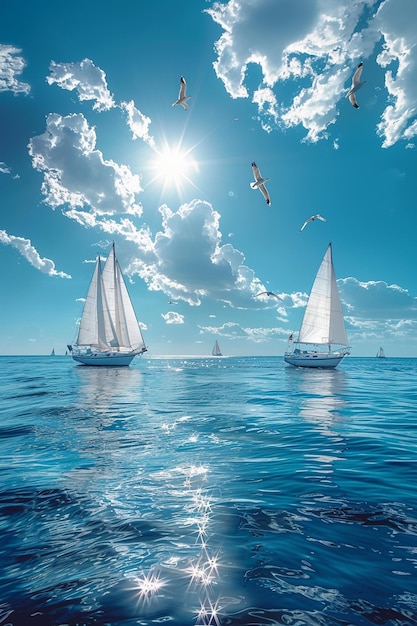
(216, 350)
(322, 340)
(380, 354)
(109, 333)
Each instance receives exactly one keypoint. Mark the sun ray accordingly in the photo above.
(174, 166)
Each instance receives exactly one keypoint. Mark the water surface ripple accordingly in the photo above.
(224, 491)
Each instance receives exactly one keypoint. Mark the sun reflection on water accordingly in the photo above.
(200, 573)
(203, 572)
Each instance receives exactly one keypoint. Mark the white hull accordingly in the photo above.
(108, 359)
(313, 359)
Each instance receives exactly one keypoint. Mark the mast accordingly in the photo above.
(323, 322)
(109, 321)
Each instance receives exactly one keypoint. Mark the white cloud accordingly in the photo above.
(258, 32)
(376, 300)
(24, 246)
(307, 51)
(234, 331)
(397, 20)
(5, 169)
(76, 173)
(88, 80)
(137, 122)
(11, 66)
(173, 318)
(188, 261)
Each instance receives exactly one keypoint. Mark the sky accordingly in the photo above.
(92, 151)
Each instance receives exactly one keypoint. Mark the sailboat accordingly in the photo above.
(322, 339)
(380, 354)
(53, 352)
(109, 333)
(216, 350)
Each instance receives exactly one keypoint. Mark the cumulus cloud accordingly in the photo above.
(397, 19)
(76, 175)
(173, 318)
(258, 32)
(307, 51)
(187, 259)
(12, 65)
(376, 311)
(24, 246)
(376, 300)
(88, 80)
(137, 122)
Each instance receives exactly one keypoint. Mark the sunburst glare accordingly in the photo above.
(148, 585)
(174, 166)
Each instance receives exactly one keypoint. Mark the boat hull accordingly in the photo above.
(106, 359)
(314, 359)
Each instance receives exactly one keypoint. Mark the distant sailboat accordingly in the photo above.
(53, 352)
(216, 350)
(323, 325)
(380, 354)
(109, 332)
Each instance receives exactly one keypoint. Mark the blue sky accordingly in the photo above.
(91, 151)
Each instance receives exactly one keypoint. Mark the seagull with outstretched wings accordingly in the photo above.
(268, 293)
(260, 183)
(312, 219)
(182, 97)
(356, 84)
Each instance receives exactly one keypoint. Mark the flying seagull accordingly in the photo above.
(182, 98)
(356, 84)
(267, 293)
(259, 183)
(311, 219)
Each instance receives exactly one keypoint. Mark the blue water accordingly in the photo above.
(208, 491)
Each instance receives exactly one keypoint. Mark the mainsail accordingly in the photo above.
(216, 350)
(108, 322)
(322, 340)
(323, 318)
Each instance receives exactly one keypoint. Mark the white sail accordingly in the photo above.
(323, 318)
(323, 325)
(121, 327)
(88, 331)
(108, 325)
(216, 349)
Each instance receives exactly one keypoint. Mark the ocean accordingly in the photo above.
(223, 491)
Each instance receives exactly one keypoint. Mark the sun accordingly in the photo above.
(174, 166)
